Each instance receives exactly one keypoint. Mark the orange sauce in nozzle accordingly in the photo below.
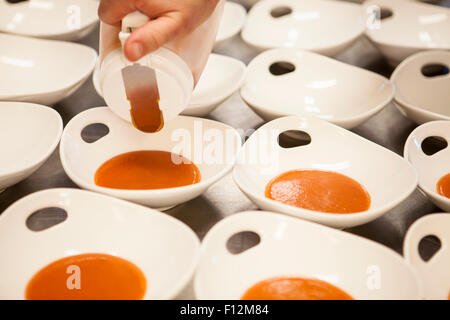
(142, 91)
(146, 115)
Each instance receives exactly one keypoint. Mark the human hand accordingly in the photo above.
(169, 19)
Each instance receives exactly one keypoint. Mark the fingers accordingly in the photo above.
(152, 35)
(113, 11)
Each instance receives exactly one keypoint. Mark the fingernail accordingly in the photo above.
(137, 50)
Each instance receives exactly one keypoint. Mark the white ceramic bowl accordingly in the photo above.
(233, 19)
(221, 77)
(387, 177)
(29, 133)
(50, 19)
(211, 145)
(293, 247)
(434, 272)
(319, 86)
(430, 168)
(42, 71)
(423, 98)
(413, 27)
(96, 224)
(323, 26)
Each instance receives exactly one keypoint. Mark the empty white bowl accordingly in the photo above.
(29, 133)
(210, 145)
(412, 27)
(322, 26)
(96, 224)
(424, 95)
(221, 77)
(431, 168)
(317, 86)
(233, 19)
(387, 177)
(297, 248)
(42, 71)
(434, 272)
(50, 19)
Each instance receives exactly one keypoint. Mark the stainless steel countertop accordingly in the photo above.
(389, 128)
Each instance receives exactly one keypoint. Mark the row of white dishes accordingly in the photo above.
(351, 262)
(388, 178)
(286, 246)
(69, 21)
(70, 64)
(284, 82)
(28, 61)
(80, 160)
(305, 83)
(277, 83)
(397, 28)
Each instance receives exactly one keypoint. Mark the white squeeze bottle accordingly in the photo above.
(155, 89)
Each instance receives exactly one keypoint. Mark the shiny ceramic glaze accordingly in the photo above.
(413, 27)
(36, 130)
(319, 86)
(293, 247)
(42, 71)
(430, 168)
(50, 19)
(434, 272)
(388, 178)
(96, 224)
(322, 26)
(422, 98)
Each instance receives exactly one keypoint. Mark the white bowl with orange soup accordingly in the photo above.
(159, 170)
(427, 148)
(105, 248)
(333, 177)
(291, 248)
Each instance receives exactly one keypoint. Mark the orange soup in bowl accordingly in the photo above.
(146, 170)
(295, 289)
(316, 190)
(92, 276)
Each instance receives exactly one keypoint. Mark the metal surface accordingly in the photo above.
(389, 128)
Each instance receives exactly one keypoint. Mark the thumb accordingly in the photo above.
(151, 36)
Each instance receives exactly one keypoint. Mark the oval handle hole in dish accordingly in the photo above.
(242, 241)
(428, 247)
(281, 67)
(293, 139)
(385, 13)
(94, 132)
(281, 11)
(434, 144)
(434, 70)
(15, 1)
(45, 218)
